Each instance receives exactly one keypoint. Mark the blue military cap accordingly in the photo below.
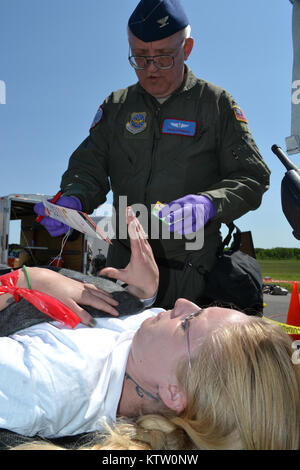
(153, 20)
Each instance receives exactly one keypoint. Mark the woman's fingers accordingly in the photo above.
(100, 300)
(113, 273)
(92, 290)
(138, 240)
(84, 316)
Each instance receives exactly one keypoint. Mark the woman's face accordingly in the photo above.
(161, 341)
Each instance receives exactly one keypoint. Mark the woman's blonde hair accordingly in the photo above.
(242, 393)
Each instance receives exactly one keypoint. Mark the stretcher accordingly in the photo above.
(23, 314)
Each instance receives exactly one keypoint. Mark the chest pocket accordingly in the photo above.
(130, 150)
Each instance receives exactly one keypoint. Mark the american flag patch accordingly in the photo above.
(239, 114)
(97, 118)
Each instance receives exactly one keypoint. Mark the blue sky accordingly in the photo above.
(59, 60)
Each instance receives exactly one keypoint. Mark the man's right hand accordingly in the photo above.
(55, 227)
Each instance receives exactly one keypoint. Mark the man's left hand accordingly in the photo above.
(188, 214)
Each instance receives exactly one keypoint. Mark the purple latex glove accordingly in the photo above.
(188, 214)
(55, 227)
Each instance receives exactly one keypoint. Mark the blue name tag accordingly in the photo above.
(175, 126)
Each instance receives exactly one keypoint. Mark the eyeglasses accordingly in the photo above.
(185, 325)
(162, 62)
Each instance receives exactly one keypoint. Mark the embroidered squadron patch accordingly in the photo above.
(97, 118)
(137, 123)
(239, 114)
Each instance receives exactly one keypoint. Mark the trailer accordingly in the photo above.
(35, 247)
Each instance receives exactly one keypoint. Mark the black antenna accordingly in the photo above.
(289, 165)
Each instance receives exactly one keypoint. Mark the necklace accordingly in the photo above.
(140, 390)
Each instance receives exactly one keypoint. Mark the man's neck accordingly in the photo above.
(162, 100)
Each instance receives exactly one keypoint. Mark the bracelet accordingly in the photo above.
(27, 276)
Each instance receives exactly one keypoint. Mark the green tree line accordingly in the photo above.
(277, 253)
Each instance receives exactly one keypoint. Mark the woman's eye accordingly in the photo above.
(183, 325)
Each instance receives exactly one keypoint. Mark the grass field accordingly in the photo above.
(285, 270)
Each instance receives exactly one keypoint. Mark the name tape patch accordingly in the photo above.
(178, 127)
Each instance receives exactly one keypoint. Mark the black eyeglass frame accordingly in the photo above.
(185, 323)
(152, 59)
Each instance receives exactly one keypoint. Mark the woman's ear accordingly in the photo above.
(173, 397)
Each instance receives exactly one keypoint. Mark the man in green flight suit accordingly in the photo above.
(172, 138)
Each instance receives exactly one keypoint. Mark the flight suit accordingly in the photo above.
(196, 142)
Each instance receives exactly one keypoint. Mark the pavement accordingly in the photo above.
(277, 306)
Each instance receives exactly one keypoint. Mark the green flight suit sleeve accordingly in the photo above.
(244, 176)
(87, 175)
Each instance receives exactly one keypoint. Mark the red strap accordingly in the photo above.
(43, 302)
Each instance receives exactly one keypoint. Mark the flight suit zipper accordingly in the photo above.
(156, 139)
